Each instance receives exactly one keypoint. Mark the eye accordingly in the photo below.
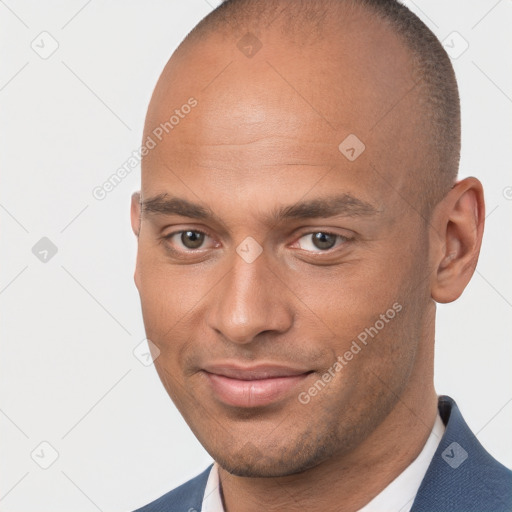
(320, 241)
(190, 239)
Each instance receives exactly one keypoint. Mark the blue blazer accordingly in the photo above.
(462, 476)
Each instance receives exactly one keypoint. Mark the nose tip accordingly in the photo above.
(241, 333)
(247, 304)
(241, 319)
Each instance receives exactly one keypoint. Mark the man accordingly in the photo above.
(299, 217)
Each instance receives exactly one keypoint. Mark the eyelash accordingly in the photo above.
(168, 237)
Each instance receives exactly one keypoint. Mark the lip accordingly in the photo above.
(253, 386)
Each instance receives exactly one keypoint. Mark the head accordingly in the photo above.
(299, 204)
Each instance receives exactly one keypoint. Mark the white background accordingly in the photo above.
(69, 326)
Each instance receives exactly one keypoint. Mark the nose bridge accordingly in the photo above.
(247, 302)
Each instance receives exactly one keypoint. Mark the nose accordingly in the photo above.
(250, 300)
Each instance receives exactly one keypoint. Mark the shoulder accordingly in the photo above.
(463, 476)
(187, 497)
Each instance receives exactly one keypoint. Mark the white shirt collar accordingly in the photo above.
(212, 501)
(398, 496)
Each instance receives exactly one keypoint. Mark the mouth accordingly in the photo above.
(254, 386)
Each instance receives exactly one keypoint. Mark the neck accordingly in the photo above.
(352, 479)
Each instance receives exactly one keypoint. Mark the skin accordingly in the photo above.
(264, 135)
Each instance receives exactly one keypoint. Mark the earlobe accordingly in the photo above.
(459, 225)
(135, 213)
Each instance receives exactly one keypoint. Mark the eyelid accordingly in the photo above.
(180, 231)
(344, 239)
(195, 230)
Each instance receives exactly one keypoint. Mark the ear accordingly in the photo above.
(458, 225)
(135, 213)
(135, 220)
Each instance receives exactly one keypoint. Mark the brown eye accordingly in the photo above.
(189, 242)
(320, 241)
(323, 240)
(192, 239)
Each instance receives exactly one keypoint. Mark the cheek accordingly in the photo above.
(375, 302)
(161, 293)
(171, 296)
(346, 299)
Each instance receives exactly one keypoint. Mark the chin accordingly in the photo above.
(271, 462)
(266, 470)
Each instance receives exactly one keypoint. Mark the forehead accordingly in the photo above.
(359, 63)
(279, 117)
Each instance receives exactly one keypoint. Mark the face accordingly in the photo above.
(283, 283)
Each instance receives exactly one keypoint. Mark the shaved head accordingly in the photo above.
(303, 23)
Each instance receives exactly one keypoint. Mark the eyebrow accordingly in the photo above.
(331, 206)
